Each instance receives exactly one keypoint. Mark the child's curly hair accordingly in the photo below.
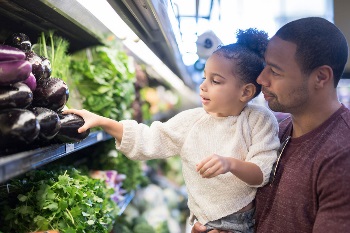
(247, 55)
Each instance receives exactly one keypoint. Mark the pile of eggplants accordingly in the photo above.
(31, 100)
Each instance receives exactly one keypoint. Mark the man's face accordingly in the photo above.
(284, 86)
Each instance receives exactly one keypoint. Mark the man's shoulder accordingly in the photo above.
(346, 116)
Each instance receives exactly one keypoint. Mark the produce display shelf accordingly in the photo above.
(15, 164)
(124, 203)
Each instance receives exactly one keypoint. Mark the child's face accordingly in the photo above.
(221, 91)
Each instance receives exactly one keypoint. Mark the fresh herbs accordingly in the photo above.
(105, 79)
(62, 199)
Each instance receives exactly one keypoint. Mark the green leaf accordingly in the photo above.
(51, 206)
(90, 222)
(22, 198)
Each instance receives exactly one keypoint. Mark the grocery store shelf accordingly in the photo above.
(151, 22)
(69, 20)
(123, 204)
(15, 164)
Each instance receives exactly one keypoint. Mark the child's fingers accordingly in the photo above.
(68, 111)
(200, 165)
(82, 129)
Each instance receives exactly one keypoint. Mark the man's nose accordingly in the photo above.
(262, 79)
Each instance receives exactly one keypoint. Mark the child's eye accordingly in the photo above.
(215, 82)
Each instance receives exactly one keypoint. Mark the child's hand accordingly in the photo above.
(91, 119)
(214, 165)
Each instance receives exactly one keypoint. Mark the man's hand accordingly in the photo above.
(199, 228)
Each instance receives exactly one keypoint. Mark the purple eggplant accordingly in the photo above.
(17, 127)
(14, 71)
(17, 95)
(49, 122)
(9, 53)
(20, 41)
(30, 82)
(51, 93)
(36, 61)
(70, 123)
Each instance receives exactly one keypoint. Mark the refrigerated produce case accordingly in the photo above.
(82, 29)
(71, 21)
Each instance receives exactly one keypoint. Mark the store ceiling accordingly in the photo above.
(225, 17)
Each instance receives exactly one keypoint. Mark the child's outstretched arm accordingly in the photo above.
(215, 165)
(112, 127)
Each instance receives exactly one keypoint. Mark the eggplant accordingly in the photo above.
(70, 123)
(9, 53)
(14, 71)
(46, 65)
(30, 82)
(17, 127)
(20, 41)
(51, 93)
(49, 122)
(17, 95)
(36, 61)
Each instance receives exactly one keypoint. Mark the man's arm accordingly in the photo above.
(333, 185)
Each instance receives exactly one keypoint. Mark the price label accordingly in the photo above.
(99, 136)
(69, 147)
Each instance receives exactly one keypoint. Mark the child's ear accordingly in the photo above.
(248, 92)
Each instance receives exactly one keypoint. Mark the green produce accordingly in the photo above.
(55, 49)
(105, 80)
(106, 157)
(62, 199)
(142, 226)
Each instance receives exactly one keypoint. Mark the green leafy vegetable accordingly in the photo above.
(62, 199)
(106, 157)
(104, 78)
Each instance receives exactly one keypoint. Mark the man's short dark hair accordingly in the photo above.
(319, 42)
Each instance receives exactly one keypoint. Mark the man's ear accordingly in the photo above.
(323, 76)
(248, 92)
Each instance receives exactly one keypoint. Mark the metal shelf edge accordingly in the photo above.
(123, 204)
(17, 164)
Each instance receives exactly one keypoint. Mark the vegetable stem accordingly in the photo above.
(52, 50)
(70, 215)
(44, 43)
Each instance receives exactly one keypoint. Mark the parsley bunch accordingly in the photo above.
(62, 199)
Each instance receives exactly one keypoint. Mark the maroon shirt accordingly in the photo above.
(311, 191)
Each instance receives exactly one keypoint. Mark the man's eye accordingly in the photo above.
(273, 72)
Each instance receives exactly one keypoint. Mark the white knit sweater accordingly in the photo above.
(194, 134)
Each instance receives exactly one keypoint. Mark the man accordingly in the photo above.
(309, 189)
